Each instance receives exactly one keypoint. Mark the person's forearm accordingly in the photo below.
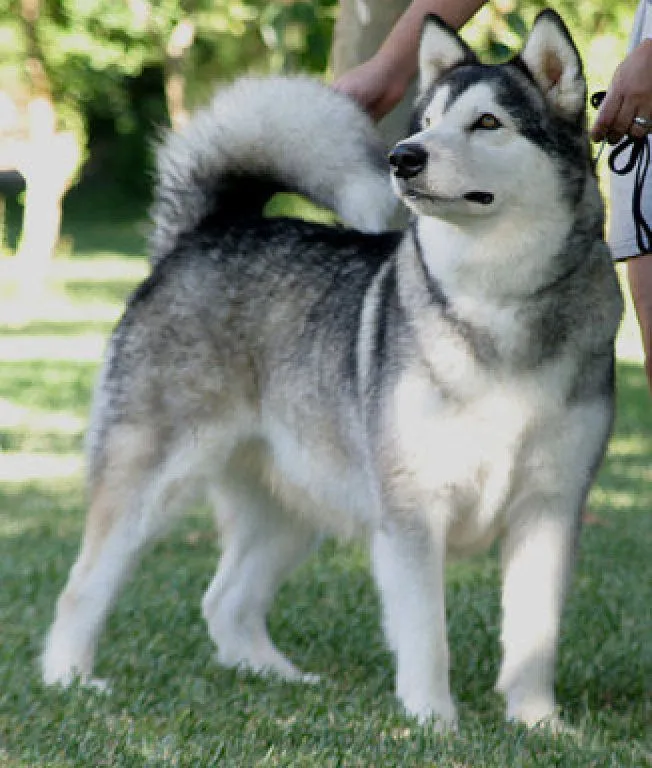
(402, 44)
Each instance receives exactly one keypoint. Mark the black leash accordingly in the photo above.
(638, 161)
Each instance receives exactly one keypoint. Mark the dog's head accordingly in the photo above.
(490, 135)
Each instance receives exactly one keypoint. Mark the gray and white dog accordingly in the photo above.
(431, 390)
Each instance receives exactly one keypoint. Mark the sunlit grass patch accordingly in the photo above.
(77, 294)
(25, 429)
(629, 446)
(50, 385)
(86, 347)
(22, 467)
(14, 416)
(103, 267)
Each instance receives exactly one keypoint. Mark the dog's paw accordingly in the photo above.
(551, 723)
(309, 679)
(57, 673)
(438, 724)
(271, 664)
(441, 716)
(538, 712)
(97, 684)
(66, 679)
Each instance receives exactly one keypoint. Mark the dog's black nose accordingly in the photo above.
(408, 159)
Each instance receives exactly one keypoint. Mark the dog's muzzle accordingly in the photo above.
(408, 160)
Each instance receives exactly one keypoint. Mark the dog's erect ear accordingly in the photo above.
(441, 49)
(553, 61)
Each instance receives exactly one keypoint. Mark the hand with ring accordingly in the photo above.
(627, 107)
(642, 122)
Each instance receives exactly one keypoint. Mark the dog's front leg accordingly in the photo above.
(409, 570)
(537, 558)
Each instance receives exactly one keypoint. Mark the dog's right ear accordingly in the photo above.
(441, 49)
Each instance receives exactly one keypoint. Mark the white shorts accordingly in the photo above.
(622, 232)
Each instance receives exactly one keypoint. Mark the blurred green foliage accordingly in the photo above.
(501, 26)
(92, 50)
(105, 60)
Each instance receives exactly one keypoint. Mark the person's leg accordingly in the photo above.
(639, 274)
(622, 231)
(622, 239)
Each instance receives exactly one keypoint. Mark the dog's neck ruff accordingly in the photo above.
(479, 340)
(433, 285)
(508, 254)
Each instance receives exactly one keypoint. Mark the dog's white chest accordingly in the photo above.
(463, 460)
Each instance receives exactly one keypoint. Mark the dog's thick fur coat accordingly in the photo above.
(431, 390)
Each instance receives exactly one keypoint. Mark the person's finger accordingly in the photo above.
(606, 116)
(622, 125)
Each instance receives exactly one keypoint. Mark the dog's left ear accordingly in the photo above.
(554, 62)
(441, 49)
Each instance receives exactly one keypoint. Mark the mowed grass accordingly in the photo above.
(172, 705)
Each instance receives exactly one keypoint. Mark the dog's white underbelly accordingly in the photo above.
(459, 467)
(321, 481)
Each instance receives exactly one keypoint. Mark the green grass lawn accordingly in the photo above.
(171, 705)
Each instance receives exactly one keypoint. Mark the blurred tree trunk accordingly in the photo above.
(47, 160)
(175, 46)
(175, 82)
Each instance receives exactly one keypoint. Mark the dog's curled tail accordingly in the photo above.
(261, 135)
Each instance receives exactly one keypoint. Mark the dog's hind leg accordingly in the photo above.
(124, 515)
(261, 545)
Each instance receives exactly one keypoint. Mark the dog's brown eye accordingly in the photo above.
(486, 122)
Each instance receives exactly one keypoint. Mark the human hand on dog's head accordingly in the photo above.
(629, 96)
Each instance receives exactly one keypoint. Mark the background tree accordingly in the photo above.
(97, 78)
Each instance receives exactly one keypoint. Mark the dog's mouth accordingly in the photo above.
(480, 197)
(477, 196)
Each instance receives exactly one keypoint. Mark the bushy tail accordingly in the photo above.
(259, 135)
